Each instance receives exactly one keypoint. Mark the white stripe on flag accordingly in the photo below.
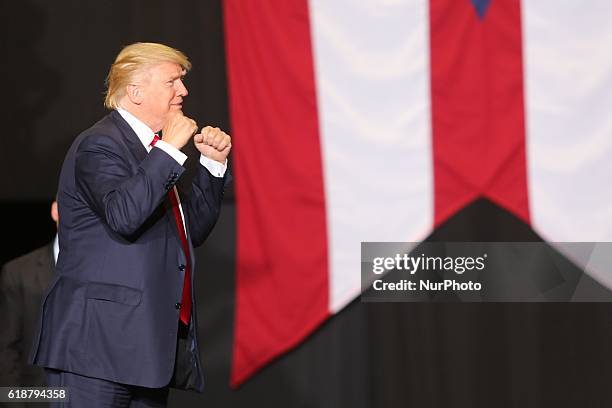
(372, 78)
(568, 76)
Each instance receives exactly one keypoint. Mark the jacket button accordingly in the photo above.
(181, 267)
(177, 305)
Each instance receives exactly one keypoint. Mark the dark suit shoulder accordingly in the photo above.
(111, 136)
(103, 133)
(27, 265)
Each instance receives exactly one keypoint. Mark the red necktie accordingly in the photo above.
(186, 301)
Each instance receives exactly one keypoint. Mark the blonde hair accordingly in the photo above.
(132, 60)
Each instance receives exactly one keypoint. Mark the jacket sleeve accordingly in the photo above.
(123, 197)
(11, 336)
(204, 204)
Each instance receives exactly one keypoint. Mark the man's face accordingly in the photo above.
(163, 91)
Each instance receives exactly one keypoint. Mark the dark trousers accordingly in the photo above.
(97, 393)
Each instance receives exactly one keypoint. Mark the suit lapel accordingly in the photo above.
(180, 188)
(132, 141)
(170, 215)
(171, 220)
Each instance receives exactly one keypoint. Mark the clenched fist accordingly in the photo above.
(213, 143)
(179, 129)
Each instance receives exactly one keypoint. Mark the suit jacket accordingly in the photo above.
(112, 310)
(22, 284)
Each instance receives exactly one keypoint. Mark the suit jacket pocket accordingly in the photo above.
(113, 293)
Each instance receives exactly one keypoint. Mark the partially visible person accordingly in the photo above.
(23, 282)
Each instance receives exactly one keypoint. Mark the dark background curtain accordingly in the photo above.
(55, 56)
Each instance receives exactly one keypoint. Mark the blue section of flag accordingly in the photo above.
(481, 6)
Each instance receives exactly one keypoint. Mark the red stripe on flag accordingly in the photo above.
(281, 269)
(477, 106)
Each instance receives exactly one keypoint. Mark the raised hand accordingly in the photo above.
(213, 143)
(179, 129)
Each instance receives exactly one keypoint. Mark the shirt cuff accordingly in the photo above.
(175, 153)
(214, 167)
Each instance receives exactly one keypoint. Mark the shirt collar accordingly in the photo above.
(144, 133)
(55, 248)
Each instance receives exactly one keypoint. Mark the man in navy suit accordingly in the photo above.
(118, 324)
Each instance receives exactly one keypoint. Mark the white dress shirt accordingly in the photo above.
(55, 248)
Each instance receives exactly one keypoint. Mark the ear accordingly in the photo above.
(134, 93)
(54, 212)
